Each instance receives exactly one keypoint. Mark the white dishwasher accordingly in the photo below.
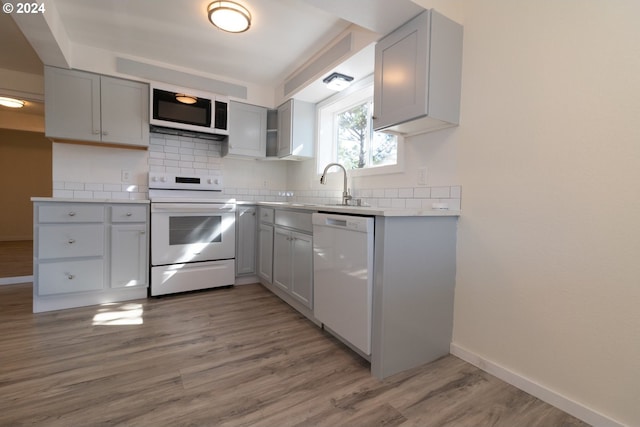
(343, 276)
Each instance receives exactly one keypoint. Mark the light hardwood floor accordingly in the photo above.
(227, 357)
(16, 258)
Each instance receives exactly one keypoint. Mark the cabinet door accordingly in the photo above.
(246, 247)
(72, 104)
(404, 53)
(80, 275)
(265, 252)
(247, 130)
(282, 258)
(285, 112)
(125, 112)
(129, 260)
(302, 268)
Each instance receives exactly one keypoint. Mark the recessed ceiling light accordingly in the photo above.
(229, 16)
(337, 81)
(11, 102)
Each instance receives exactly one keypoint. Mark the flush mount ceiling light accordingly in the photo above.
(337, 81)
(186, 99)
(11, 102)
(229, 16)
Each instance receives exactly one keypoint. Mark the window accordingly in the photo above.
(347, 136)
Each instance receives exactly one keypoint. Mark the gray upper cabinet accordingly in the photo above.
(417, 76)
(89, 107)
(247, 131)
(296, 127)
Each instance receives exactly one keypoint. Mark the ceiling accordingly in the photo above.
(284, 34)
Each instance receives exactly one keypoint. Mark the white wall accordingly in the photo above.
(548, 153)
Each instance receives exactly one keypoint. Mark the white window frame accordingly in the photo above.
(327, 146)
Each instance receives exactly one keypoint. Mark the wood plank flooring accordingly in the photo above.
(16, 258)
(226, 357)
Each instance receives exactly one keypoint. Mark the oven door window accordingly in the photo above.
(187, 230)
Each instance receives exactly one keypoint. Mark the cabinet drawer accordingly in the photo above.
(298, 220)
(128, 213)
(70, 276)
(266, 215)
(71, 212)
(69, 241)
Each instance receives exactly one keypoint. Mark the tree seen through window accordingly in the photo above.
(358, 145)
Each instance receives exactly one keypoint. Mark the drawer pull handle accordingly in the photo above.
(71, 241)
(129, 213)
(70, 276)
(72, 213)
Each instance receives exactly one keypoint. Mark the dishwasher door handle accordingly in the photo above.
(336, 222)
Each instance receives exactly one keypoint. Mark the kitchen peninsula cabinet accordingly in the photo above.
(296, 126)
(89, 252)
(427, 51)
(247, 131)
(82, 106)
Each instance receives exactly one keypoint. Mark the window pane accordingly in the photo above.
(384, 149)
(352, 128)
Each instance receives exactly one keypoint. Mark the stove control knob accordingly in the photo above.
(154, 178)
(216, 181)
(209, 181)
(163, 179)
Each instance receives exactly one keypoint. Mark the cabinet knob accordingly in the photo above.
(129, 214)
(143, 232)
(96, 132)
(72, 213)
(70, 276)
(71, 241)
(105, 133)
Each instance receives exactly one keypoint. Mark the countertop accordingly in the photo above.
(69, 200)
(356, 210)
(312, 207)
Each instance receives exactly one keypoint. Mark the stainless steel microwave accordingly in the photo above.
(189, 110)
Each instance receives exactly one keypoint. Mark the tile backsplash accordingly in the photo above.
(175, 154)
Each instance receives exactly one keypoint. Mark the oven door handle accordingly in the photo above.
(191, 208)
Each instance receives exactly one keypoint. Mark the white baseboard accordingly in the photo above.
(543, 393)
(15, 280)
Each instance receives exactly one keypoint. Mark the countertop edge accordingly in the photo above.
(70, 200)
(357, 210)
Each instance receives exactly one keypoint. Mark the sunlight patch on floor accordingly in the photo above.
(119, 314)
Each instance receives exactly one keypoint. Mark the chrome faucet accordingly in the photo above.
(345, 191)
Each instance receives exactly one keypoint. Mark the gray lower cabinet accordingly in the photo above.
(246, 227)
(129, 237)
(265, 252)
(285, 256)
(89, 253)
(265, 244)
(293, 264)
